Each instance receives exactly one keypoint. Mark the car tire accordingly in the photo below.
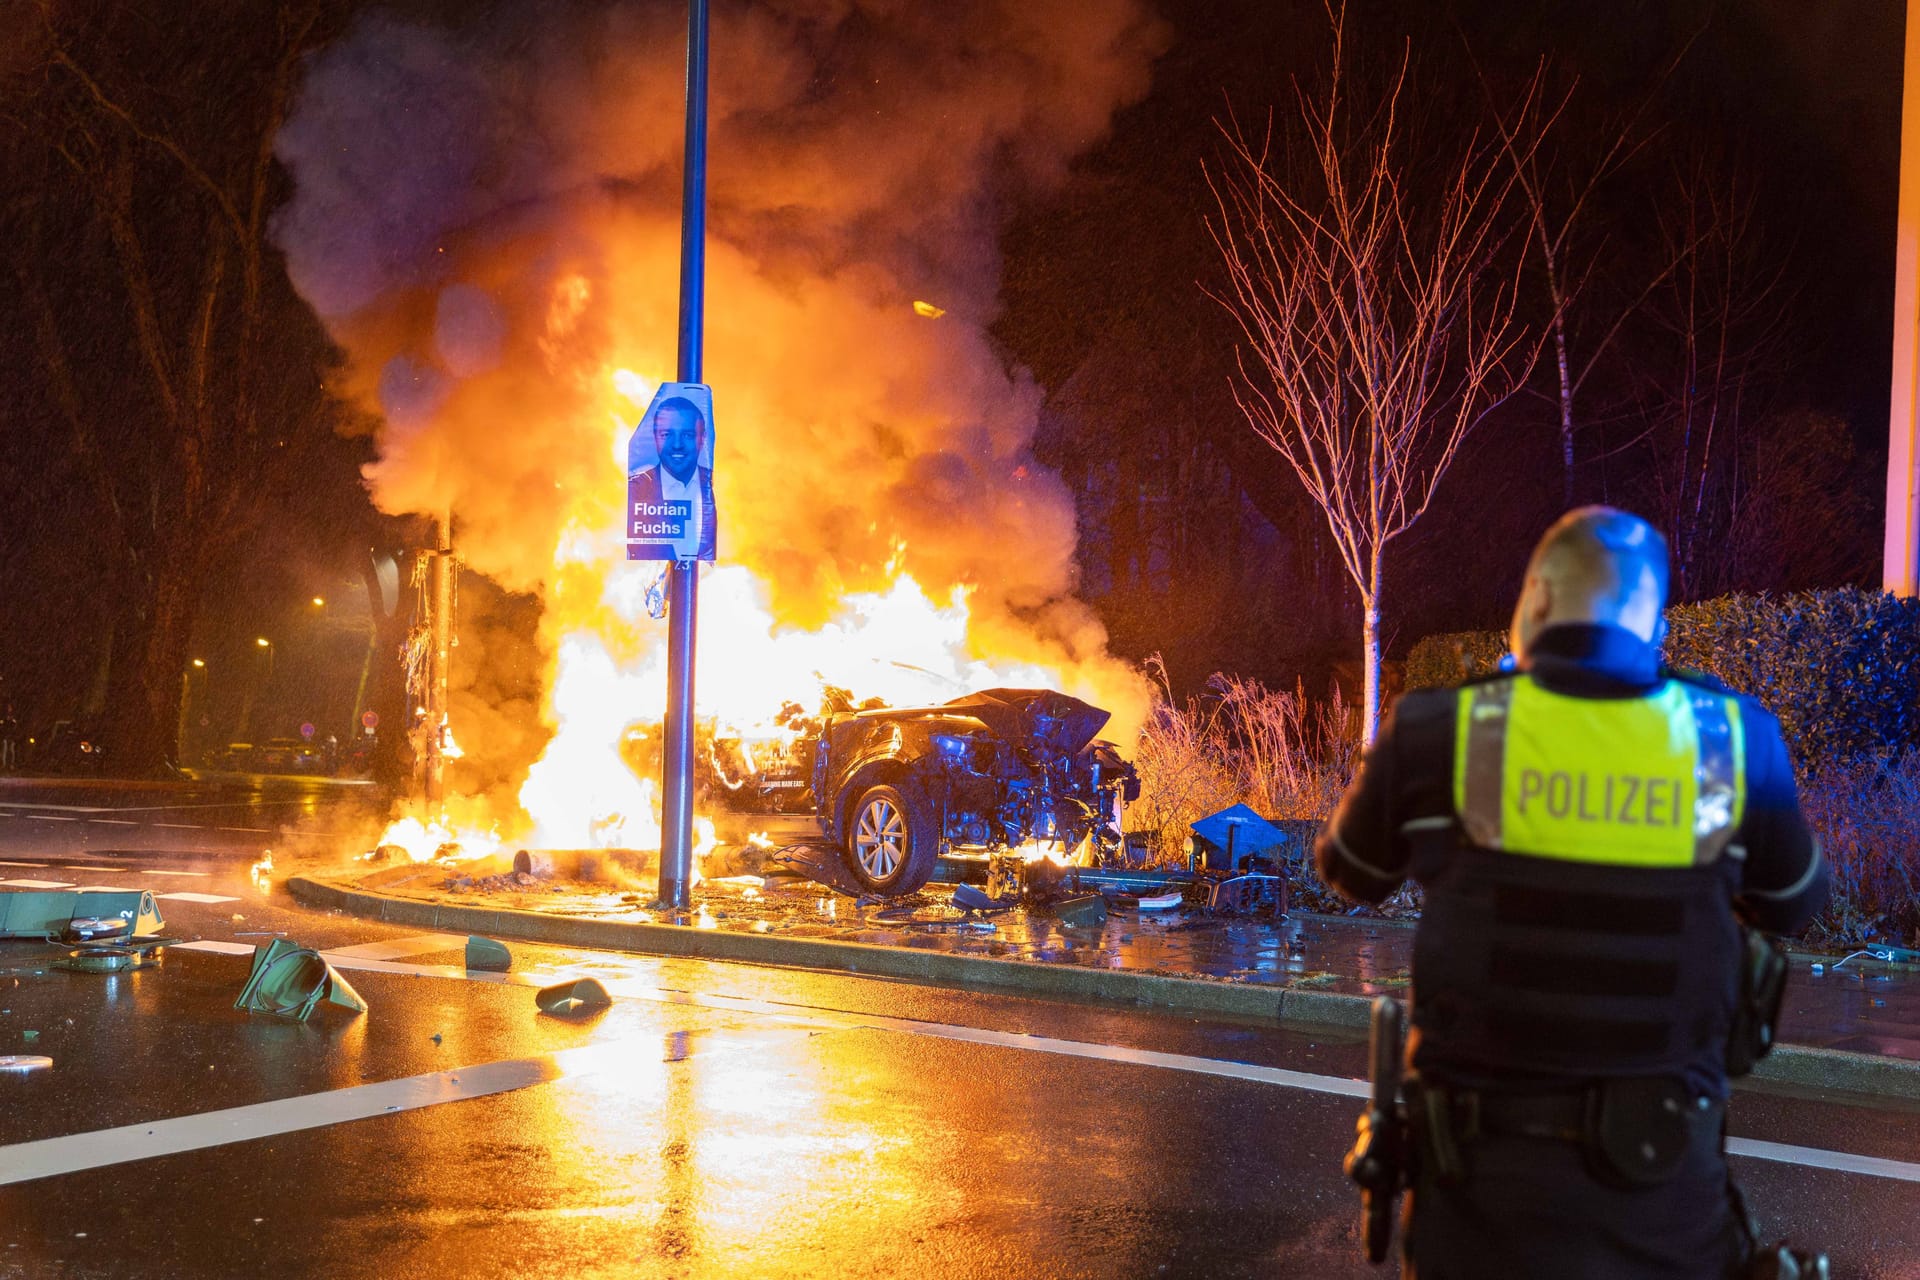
(891, 844)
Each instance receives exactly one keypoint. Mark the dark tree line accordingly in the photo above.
(167, 407)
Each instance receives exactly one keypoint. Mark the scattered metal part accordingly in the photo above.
(968, 898)
(571, 999)
(22, 1063)
(49, 913)
(1084, 912)
(1251, 894)
(95, 929)
(289, 980)
(534, 862)
(487, 955)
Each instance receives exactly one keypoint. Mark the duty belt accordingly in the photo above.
(1633, 1132)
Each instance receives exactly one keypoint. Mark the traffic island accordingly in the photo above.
(1858, 1032)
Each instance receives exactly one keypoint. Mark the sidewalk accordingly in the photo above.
(1852, 1023)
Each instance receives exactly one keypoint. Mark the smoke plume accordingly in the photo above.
(488, 221)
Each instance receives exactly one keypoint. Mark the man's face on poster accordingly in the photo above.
(679, 437)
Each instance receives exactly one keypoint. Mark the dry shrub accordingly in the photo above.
(1238, 743)
(1867, 815)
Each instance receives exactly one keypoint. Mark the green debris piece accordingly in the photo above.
(488, 955)
(1084, 911)
(30, 1035)
(571, 999)
(288, 980)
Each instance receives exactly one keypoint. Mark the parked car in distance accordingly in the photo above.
(236, 756)
(287, 755)
(71, 746)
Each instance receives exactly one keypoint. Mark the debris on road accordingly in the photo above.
(487, 955)
(288, 980)
(43, 914)
(571, 999)
(1082, 912)
(968, 898)
(21, 1063)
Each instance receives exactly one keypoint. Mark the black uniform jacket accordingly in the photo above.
(1408, 775)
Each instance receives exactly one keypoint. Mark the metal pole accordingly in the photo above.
(683, 580)
(442, 657)
(1902, 546)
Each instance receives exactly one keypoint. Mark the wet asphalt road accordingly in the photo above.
(718, 1120)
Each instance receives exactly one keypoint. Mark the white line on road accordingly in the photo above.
(39, 884)
(189, 875)
(22, 864)
(192, 897)
(114, 822)
(1814, 1157)
(50, 1157)
(252, 831)
(180, 826)
(50, 817)
(396, 948)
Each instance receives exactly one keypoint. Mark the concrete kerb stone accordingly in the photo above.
(1800, 1065)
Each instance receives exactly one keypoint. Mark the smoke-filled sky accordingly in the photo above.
(488, 221)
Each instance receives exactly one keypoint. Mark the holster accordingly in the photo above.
(1763, 984)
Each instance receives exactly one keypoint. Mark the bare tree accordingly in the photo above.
(1365, 270)
(1711, 361)
(1559, 191)
(187, 378)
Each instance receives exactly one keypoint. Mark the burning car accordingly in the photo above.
(896, 787)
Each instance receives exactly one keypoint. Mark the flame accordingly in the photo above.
(258, 872)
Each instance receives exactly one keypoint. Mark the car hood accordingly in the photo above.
(1024, 715)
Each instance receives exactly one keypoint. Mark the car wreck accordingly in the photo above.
(898, 787)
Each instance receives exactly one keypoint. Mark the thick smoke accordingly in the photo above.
(488, 221)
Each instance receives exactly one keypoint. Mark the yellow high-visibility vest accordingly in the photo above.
(1653, 781)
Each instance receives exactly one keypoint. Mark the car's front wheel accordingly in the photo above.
(891, 846)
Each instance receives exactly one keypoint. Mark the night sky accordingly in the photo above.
(1194, 541)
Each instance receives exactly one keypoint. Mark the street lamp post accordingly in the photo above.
(683, 577)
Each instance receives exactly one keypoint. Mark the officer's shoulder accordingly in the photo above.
(1698, 679)
(1752, 710)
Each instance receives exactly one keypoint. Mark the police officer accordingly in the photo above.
(1590, 831)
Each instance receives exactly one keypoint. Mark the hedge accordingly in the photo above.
(1840, 668)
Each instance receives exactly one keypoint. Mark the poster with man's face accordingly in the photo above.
(670, 511)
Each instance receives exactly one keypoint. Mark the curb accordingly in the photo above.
(1791, 1064)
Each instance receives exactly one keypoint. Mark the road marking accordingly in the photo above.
(252, 831)
(50, 817)
(191, 875)
(396, 948)
(180, 826)
(192, 897)
(50, 1157)
(1753, 1148)
(1814, 1157)
(114, 822)
(23, 864)
(39, 884)
(216, 946)
(93, 870)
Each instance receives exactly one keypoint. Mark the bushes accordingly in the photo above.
(1239, 743)
(1867, 815)
(1840, 668)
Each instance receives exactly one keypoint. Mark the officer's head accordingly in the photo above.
(1596, 564)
